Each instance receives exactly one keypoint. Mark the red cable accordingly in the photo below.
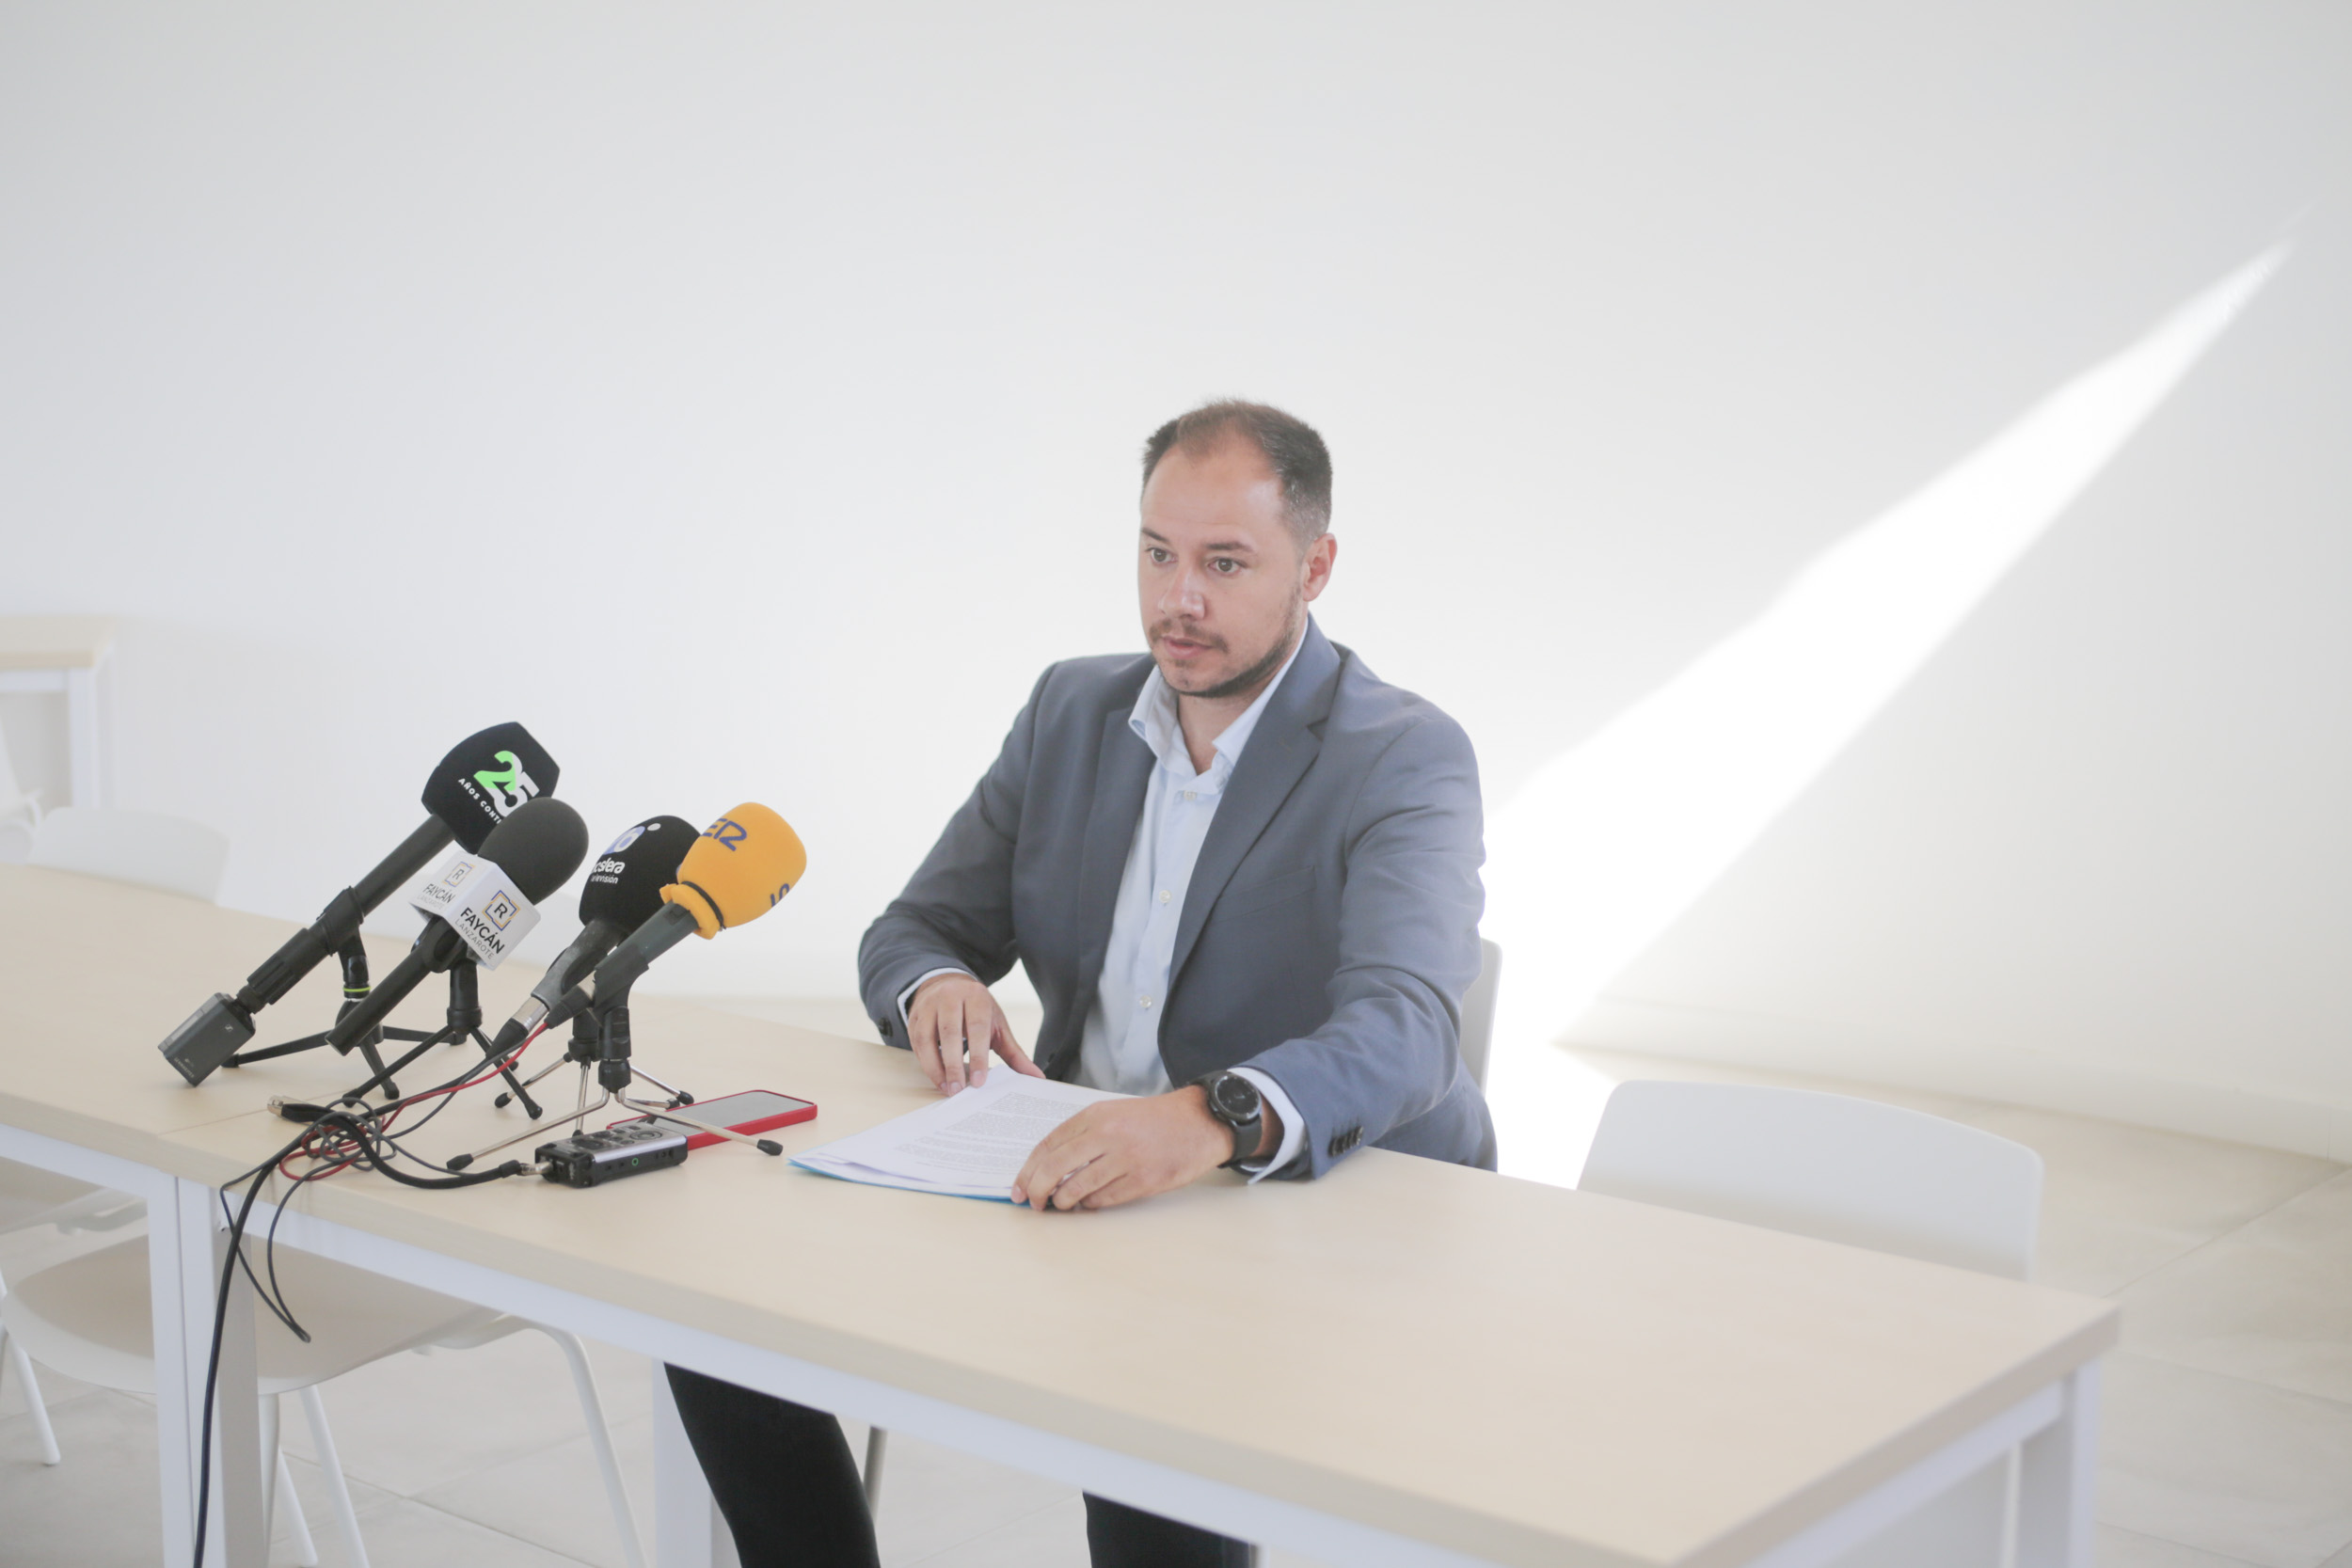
(390, 1113)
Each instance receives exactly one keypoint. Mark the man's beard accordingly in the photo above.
(1257, 672)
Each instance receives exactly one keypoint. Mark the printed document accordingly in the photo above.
(969, 1145)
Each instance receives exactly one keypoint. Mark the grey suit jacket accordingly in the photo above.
(1330, 930)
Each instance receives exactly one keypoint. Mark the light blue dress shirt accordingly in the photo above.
(1120, 1048)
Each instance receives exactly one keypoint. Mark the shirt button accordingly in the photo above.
(1163, 895)
(1143, 1001)
(1188, 794)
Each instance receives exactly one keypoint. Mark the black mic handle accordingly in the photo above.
(434, 952)
(284, 969)
(595, 943)
(570, 967)
(614, 1072)
(672, 924)
(339, 923)
(415, 853)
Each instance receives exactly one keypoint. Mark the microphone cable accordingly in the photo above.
(354, 1142)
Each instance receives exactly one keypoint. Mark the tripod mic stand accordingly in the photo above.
(353, 955)
(464, 1024)
(600, 1042)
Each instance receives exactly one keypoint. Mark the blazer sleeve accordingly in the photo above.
(1407, 949)
(956, 911)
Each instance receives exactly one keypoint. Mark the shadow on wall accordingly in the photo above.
(1607, 845)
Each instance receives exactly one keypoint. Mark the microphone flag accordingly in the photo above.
(481, 904)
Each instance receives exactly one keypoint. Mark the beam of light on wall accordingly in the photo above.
(1609, 843)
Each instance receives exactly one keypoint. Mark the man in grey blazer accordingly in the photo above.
(1241, 871)
(1329, 926)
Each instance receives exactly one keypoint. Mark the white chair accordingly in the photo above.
(1478, 1012)
(143, 847)
(20, 808)
(88, 1318)
(1844, 1170)
(30, 1196)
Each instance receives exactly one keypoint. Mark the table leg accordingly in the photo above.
(2057, 1481)
(688, 1532)
(179, 1254)
(187, 1246)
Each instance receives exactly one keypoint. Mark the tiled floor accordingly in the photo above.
(2228, 1438)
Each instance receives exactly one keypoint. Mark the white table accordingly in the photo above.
(1451, 1367)
(68, 655)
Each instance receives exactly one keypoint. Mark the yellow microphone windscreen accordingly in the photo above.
(739, 870)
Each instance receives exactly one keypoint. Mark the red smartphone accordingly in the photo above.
(752, 1111)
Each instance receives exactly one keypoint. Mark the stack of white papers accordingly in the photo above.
(969, 1145)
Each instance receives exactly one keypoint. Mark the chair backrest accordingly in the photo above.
(15, 799)
(1823, 1165)
(1478, 1012)
(143, 847)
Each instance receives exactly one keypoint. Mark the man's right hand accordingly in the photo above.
(953, 1022)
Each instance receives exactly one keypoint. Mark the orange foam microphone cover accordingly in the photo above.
(739, 870)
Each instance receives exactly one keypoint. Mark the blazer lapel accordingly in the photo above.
(1281, 750)
(1122, 768)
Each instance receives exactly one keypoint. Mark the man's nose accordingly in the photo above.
(1183, 595)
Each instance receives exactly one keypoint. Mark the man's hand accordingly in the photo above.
(954, 1022)
(1120, 1150)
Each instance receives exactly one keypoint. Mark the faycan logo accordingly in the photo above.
(458, 873)
(500, 909)
(510, 786)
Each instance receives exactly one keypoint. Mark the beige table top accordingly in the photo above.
(1512, 1370)
(53, 642)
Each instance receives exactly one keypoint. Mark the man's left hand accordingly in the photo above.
(1120, 1150)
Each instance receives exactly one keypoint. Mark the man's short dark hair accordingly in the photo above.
(1298, 455)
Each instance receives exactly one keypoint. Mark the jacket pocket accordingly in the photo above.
(1274, 890)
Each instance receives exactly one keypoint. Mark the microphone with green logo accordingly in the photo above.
(485, 777)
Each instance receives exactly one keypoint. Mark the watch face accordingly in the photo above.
(1236, 1097)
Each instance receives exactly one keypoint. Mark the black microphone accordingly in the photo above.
(736, 872)
(624, 892)
(537, 846)
(486, 777)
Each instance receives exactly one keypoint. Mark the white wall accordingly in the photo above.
(747, 399)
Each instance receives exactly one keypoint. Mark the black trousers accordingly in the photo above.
(789, 1489)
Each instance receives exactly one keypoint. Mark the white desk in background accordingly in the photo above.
(68, 654)
(1446, 1366)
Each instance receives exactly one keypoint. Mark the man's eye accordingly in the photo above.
(1159, 556)
(1225, 566)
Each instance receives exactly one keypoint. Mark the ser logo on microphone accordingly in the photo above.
(727, 833)
(508, 788)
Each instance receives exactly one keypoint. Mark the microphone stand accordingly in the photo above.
(353, 957)
(464, 1024)
(600, 1042)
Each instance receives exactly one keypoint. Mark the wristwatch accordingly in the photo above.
(1235, 1102)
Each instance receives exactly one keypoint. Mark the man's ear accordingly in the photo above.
(1315, 570)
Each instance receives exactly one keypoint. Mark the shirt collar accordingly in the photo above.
(1153, 717)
